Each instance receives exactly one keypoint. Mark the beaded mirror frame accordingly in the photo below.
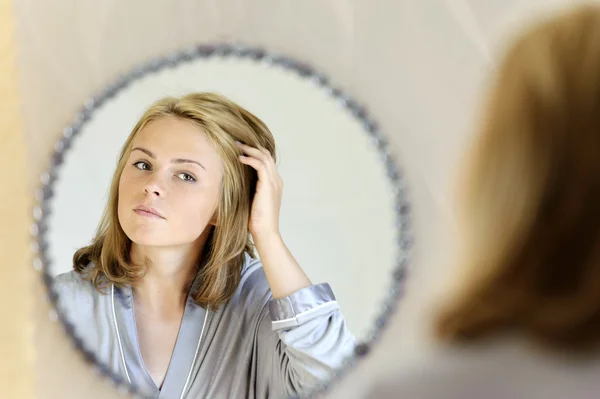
(403, 223)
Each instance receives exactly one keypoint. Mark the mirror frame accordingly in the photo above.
(402, 208)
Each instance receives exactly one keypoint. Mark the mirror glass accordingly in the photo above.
(341, 204)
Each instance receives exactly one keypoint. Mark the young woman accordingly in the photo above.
(170, 295)
(524, 319)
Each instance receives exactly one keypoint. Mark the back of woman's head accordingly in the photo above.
(532, 201)
(223, 122)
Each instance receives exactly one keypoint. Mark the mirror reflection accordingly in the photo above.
(223, 228)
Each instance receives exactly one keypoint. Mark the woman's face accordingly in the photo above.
(170, 185)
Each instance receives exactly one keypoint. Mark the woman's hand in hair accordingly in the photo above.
(264, 214)
(283, 273)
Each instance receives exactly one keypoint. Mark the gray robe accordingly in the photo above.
(252, 347)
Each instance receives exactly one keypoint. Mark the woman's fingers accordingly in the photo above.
(258, 153)
(257, 164)
(258, 158)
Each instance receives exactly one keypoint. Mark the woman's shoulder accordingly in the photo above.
(460, 372)
(75, 292)
(253, 290)
(251, 265)
(72, 282)
(253, 275)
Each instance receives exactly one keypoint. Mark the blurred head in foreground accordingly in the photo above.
(532, 194)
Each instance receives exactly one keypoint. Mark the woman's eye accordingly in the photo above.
(141, 165)
(186, 177)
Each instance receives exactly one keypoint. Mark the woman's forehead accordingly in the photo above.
(169, 135)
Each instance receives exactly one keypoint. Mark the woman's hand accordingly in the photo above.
(264, 214)
(283, 273)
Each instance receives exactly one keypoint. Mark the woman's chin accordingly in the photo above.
(149, 243)
(149, 239)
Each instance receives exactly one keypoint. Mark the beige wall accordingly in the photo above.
(416, 64)
(16, 375)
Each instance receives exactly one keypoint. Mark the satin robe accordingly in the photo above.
(252, 347)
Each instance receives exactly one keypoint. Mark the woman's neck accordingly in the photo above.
(169, 277)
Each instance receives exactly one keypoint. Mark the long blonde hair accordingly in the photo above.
(224, 123)
(532, 203)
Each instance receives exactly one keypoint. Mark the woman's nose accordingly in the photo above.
(155, 186)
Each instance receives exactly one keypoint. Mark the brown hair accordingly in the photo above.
(532, 203)
(224, 123)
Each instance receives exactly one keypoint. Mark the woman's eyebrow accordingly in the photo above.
(183, 160)
(145, 151)
(177, 160)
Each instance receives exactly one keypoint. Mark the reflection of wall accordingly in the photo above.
(416, 64)
(16, 375)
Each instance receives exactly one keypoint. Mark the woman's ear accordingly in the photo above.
(213, 219)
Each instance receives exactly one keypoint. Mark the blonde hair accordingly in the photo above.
(224, 123)
(532, 203)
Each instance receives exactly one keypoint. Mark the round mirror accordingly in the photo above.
(344, 218)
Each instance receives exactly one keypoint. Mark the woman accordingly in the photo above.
(524, 319)
(170, 295)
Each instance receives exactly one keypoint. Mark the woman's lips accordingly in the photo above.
(148, 211)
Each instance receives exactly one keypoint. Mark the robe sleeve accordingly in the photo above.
(301, 340)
